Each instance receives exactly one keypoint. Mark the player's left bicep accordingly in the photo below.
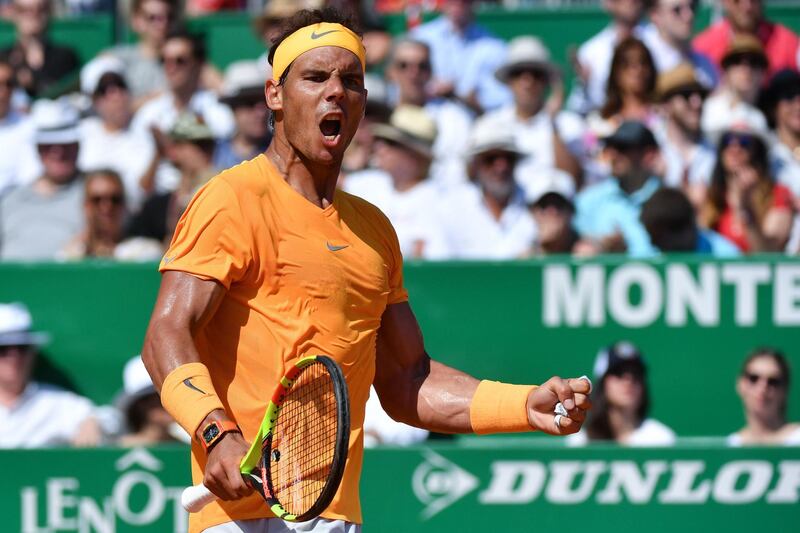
(402, 364)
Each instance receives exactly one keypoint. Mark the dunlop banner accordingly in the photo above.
(485, 487)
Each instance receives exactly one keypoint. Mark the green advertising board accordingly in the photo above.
(444, 488)
(695, 320)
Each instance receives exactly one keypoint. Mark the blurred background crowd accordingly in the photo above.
(663, 137)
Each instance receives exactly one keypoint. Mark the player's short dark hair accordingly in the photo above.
(669, 218)
(197, 41)
(307, 17)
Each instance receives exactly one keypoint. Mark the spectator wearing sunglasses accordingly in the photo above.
(548, 137)
(669, 39)
(743, 202)
(744, 66)
(107, 140)
(150, 20)
(104, 213)
(38, 219)
(688, 155)
(410, 74)
(763, 386)
(621, 402)
(746, 17)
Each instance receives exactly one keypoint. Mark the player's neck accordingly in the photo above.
(314, 181)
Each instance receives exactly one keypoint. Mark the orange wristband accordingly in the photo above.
(500, 408)
(188, 395)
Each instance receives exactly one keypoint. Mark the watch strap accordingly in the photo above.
(209, 437)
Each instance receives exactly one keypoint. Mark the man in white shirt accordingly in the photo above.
(594, 56)
(36, 414)
(548, 137)
(18, 161)
(464, 57)
(488, 219)
(107, 140)
(688, 156)
(669, 39)
(409, 71)
(400, 187)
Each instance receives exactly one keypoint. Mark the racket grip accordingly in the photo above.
(193, 499)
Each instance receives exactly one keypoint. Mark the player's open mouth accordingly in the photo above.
(330, 127)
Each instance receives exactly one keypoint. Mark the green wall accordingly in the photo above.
(519, 322)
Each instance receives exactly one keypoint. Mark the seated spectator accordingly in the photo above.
(191, 150)
(593, 61)
(782, 107)
(359, 153)
(488, 218)
(549, 138)
(621, 402)
(37, 414)
(104, 212)
(670, 220)
(744, 66)
(243, 92)
(19, 162)
(409, 72)
(743, 203)
(630, 96)
(464, 56)
(550, 203)
(150, 20)
(146, 421)
(608, 212)
(688, 155)
(400, 186)
(43, 68)
(669, 39)
(37, 220)
(780, 44)
(107, 139)
(380, 429)
(763, 386)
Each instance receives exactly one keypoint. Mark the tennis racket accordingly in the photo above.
(297, 459)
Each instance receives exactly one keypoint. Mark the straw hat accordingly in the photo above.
(411, 127)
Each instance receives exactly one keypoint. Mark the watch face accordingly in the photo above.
(210, 433)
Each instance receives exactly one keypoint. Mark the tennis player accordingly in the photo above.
(270, 262)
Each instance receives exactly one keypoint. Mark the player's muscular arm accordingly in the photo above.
(413, 388)
(185, 303)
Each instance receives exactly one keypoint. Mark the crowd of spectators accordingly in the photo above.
(669, 138)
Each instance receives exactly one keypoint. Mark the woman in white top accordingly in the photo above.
(763, 386)
(620, 402)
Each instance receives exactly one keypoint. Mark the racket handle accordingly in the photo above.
(193, 499)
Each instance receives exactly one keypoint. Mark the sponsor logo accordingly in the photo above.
(334, 248)
(189, 384)
(438, 483)
(315, 35)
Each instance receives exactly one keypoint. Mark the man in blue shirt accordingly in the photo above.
(464, 57)
(609, 211)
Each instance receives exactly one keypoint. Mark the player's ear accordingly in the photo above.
(273, 93)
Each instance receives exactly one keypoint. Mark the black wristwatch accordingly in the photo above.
(214, 431)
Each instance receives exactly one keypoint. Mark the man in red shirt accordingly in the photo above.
(781, 45)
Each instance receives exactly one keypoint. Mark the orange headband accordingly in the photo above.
(316, 36)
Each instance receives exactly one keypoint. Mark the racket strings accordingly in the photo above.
(304, 441)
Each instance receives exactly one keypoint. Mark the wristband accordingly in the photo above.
(500, 408)
(188, 395)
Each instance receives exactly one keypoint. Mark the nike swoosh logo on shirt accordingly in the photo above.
(315, 35)
(333, 248)
(189, 384)
(167, 260)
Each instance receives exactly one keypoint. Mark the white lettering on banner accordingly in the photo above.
(745, 278)
(579, 304)
(562, 478)
(758, 473)
(701, 297)
(514, 482)
(438, 482)
(787, 490)
(787, 301)
(591, 295)
(67, 511)
(625, 476)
